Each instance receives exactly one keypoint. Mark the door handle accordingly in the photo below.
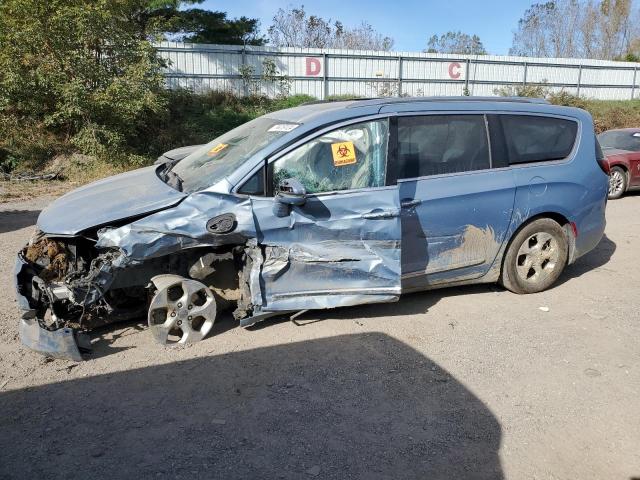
(408, 203)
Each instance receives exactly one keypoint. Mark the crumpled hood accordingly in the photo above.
(114, 198)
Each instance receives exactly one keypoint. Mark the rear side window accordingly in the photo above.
(622, 140)
(538, 139)
(441, 144)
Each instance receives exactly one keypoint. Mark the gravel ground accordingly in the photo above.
(458, 383)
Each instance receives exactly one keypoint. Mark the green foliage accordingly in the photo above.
(456, 43)
(75, 73)
(343, 98)
(568, 100)
(199, 118)
(532, 90)
(204, 26)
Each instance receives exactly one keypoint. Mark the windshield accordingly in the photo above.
(220, 157)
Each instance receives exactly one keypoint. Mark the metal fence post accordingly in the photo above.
(400, 75)
(579, 80)
(325, 76)
(245, 84)
(466, 78)
(633, 87)
(524, 77)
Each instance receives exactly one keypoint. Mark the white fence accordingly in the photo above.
(324, 73)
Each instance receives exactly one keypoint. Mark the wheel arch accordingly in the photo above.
(624, 167)
(557, 217)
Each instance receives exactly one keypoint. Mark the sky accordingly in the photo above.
(410, 23)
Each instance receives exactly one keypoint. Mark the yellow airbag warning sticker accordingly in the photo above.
(344, 153)
(217, 149)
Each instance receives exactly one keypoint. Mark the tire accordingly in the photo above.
(617, 183)
(535, 258)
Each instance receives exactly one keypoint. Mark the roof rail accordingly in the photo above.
(384, 100)
(465, 99)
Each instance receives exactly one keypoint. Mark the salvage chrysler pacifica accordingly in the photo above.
(320, 206)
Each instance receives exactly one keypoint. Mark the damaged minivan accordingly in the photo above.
(325, 205)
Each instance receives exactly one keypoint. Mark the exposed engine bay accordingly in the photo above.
(70, 285)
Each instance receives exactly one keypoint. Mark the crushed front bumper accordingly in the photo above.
(61, 343)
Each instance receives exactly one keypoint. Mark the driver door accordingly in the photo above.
(342, 245)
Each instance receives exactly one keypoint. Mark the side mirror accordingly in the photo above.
(290, 193)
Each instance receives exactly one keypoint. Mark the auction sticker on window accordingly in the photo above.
(344, 153)
(217, 149)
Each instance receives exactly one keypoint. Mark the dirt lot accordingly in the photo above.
(460, 383)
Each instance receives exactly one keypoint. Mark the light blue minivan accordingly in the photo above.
(325, 205)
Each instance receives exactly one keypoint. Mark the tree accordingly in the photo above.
(194, 24)
(204, 26)
(603, 29)
(456, 43)
(76, 71)
(295, 28)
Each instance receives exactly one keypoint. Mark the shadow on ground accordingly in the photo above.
(596, 258)
(11, 220)
(356, 406)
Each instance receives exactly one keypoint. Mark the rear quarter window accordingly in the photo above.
(621, 140)
(537, 138)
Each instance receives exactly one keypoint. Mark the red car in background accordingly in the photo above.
(622, 150)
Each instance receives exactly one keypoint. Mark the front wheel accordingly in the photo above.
(617, 183)
(535, 258)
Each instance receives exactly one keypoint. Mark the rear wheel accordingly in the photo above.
(535, 258)
(617, 183)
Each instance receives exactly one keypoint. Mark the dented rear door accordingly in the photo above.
(456, 197)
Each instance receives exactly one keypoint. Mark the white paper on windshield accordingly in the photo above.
(283, 127)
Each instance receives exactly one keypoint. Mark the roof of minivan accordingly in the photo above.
(326, 109)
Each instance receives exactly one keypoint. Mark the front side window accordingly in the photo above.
(347, 158)
(441, 144)
(538, 139)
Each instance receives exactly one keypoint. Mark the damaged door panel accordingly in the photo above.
(459, 226)
(457, 210)
(335, 250)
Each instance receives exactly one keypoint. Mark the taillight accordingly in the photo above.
(601, 159)
(604, 165)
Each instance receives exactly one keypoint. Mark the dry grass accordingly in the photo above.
(73, 173)
(609, 114)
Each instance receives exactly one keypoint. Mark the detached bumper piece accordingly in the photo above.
(62, 343)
